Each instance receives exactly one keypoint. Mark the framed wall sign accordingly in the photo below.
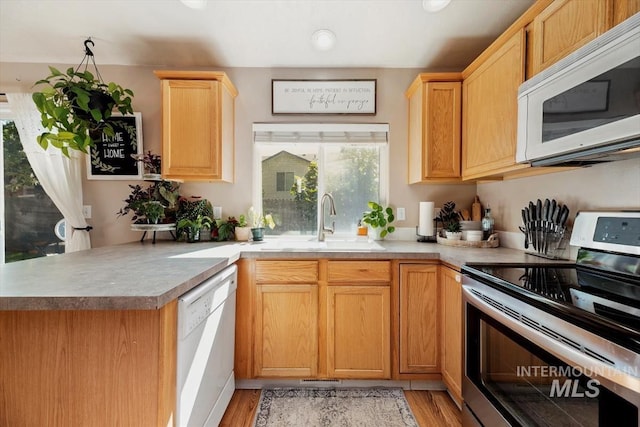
(323, 97)
(111, 156)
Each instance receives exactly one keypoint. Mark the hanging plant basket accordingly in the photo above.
(76, 104)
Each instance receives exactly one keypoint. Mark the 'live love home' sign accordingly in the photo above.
(111, 156)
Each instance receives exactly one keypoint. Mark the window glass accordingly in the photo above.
(29, 214)
(294, 175)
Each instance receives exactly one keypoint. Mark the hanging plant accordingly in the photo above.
(76, 104)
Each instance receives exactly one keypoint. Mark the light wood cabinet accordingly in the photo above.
(434, 127)
(286, 341)
(315, 319)
(623, 9)
(489, 111)
(452, 344)
(566, 25)
(286, 319)
(197, 125)
(88, 367)
(419, 319)
(358, 340)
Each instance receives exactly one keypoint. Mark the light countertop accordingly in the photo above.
(146, 276)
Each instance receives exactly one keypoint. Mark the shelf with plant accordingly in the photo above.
(379, 218)
(150, 204)
(152, 165)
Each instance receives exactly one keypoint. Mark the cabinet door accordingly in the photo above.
(490, 107)
(566, 25)
(286, 334)
(192, 142)
(623, 9)
(434, 132)
(419, 319)
(451, 331)
(358, 332)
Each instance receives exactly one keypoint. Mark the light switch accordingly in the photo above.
(86, 211)
(400, 214)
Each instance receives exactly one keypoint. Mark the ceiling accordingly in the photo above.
(253, 33)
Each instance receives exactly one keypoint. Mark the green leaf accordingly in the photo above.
(383, 233)
(391, 229)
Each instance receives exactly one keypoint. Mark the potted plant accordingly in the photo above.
(152, 165)
(192, 227)
(450, 221)
(258, 222)
(226, 228)
(242, 230)
(76, 104)
(379, 219)
(153, 211)
(139, 201)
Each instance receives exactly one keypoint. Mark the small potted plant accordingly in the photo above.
(379, 219)
(74, 105)
(152, 165)
(226, 228)
(153, 210)
(450, 220)
(192, 227)
(242, 230)
(258, 222)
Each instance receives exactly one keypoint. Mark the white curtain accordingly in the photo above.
(59, 176)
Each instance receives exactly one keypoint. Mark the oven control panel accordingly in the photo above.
(623, 231)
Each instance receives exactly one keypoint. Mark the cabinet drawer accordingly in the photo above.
(359, 271)
(286, 271)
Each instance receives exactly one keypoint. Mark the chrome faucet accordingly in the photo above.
(332, 212)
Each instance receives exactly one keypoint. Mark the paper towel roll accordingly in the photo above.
(425, 220)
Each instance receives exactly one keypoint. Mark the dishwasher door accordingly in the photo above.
(206, 339)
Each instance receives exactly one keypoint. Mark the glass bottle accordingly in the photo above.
(487, 224)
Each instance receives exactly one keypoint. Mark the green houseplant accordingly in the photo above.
(192, 227)
(379, 219)
(258, 222)
(76, 104)
(450, 220)
(242, 230)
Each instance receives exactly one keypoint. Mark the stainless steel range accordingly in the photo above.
(557, 344)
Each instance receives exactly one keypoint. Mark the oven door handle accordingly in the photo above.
(501, 308)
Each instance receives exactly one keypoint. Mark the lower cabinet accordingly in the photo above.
(319, 319)
(419, 319)
(286, 343)
(452, 345)
(358, 342)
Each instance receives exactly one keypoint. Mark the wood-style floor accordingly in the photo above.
(431, 408)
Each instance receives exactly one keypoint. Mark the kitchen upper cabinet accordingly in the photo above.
(451, 286)
(419, 319)
(358, 319)
(197, 125)
(566, 25)
(489, 111)
(286, 319)
(623, 9)
(434, 127)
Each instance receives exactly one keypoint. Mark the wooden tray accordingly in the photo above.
(491, 242)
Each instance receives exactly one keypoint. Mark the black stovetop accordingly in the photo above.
(613, 299)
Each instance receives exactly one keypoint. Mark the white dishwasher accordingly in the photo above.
(206, 339)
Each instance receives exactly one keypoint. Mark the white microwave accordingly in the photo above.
(585, 108)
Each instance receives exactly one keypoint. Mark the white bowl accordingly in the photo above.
(472, 235)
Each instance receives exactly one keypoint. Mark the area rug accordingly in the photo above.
(334, 407)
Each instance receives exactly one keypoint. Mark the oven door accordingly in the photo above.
(515, 377)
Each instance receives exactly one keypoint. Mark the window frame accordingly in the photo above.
(292, 128)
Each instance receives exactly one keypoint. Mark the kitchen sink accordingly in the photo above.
(335, 245)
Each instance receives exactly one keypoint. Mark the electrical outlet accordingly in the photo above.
(86, 211)
(400, 213)
(217, 212)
